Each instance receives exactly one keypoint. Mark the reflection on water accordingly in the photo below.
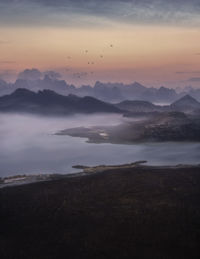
(27, 145)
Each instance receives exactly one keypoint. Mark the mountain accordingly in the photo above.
(166, 126)
(138, 106)
(113, 92)
(165, 93)
(195, 93)
(49, 102)
(186, 104)
(116, 92)
(47, 82)
(108, 92)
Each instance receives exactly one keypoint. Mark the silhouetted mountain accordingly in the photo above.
(47, 82)
(195, 93)
(133, 91)
(49, 102)
(107, 92)
(119, 92)
(164, 93)
(138, 106)
(35, 80)
(186, 104)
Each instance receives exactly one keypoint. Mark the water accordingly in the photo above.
(28, 146)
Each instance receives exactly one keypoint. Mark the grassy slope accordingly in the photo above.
(126, 213)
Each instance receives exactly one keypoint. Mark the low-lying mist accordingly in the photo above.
(29, 146)
(17, 129)
(28, 143)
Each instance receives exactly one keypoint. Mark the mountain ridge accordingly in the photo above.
(108, 92)
(185, 104)
(50, 102)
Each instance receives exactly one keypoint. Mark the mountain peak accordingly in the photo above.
(137, 84)
(48, 92)
(22, 91)
(187, 103)
(49, 102)
(187, 99)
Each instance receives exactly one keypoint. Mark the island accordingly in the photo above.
(158, 127)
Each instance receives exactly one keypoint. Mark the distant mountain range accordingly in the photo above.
(186, 104)
(109, 92)
(51, 103)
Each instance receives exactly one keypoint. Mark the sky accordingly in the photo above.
(154, 42)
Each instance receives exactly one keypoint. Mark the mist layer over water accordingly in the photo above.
(28, 146)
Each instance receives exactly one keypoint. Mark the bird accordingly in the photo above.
(111, 45)
(101, 56)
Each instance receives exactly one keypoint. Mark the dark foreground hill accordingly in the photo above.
(141, 212)
(50, 103)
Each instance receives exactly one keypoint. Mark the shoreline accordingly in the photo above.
(18, 180)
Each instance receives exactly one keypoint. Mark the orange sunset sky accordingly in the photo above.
(102, 46)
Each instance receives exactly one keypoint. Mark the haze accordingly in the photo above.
(29, 146)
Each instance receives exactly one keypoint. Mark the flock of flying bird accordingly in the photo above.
(83, 74)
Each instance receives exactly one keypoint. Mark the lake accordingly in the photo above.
(28, 146)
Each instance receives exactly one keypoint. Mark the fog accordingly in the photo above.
(28, 146)
(20, 131)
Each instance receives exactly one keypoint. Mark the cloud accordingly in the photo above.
(7, 62)
(2, 42)
(30, 74)
(188, 72)
(194, 79)
(96, 12)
